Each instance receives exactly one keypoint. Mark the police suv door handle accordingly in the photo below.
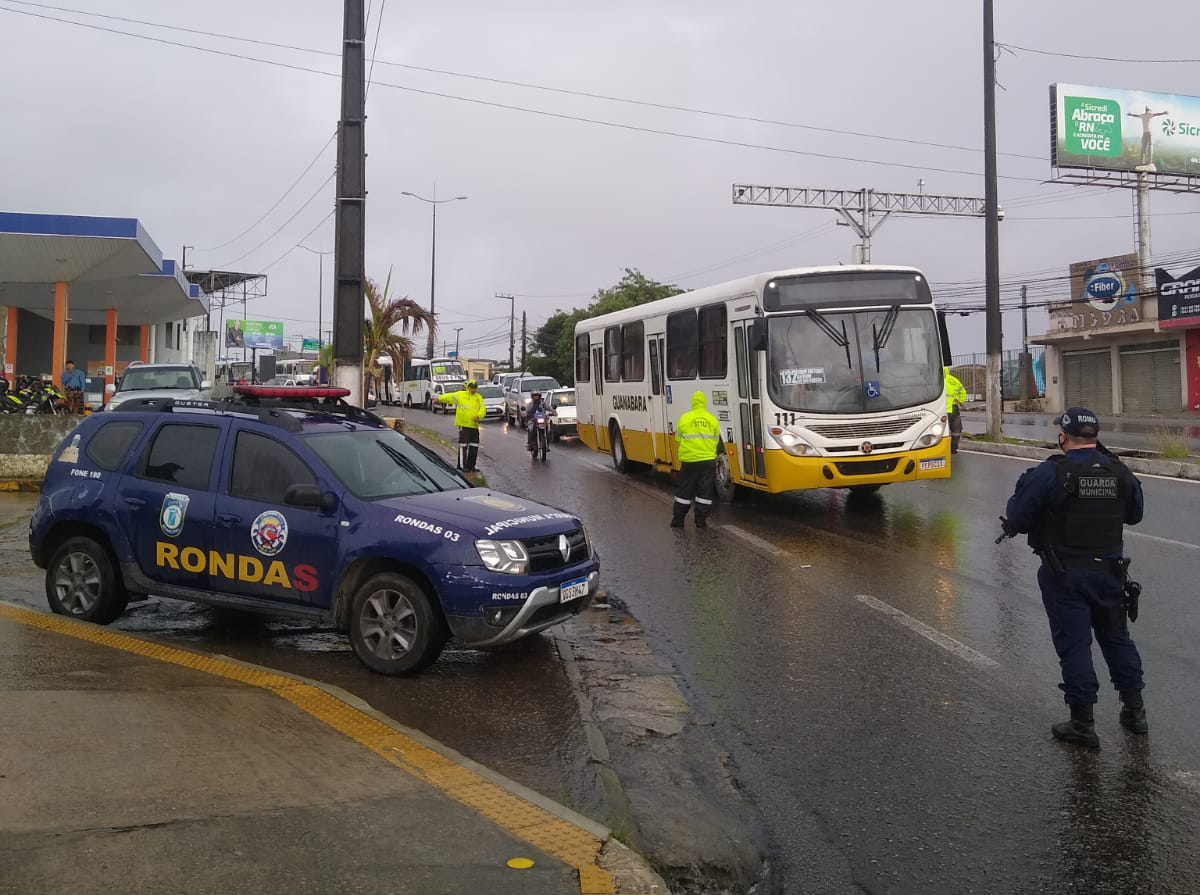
(135, 501)
(229, 519)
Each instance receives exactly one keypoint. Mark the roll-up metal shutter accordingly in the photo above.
(1150, 378)
(1088, 379)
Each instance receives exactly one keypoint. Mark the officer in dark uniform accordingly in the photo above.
(1074, 507)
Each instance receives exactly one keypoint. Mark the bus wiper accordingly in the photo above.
(409, 466)
(839, 339)
(880, 338)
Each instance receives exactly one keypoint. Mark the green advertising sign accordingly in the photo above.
(310, 345)
(1125, 130)
(254, 334)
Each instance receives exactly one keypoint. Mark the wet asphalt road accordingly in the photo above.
(888, 753)
(906, 753)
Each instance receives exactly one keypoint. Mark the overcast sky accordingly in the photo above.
(199, 146)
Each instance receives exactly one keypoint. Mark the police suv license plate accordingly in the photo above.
(573, 589)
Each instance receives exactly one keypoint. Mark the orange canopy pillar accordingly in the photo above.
(110, 351)
(145, 343)
(58, 357)
(10, 343)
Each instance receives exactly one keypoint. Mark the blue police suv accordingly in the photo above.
(289, 501)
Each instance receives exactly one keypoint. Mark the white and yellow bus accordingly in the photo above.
(826, 377)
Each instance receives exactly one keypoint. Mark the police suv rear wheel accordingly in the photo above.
(394, 628)
(81, 583)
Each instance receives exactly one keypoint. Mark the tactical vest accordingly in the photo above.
(1086, 515)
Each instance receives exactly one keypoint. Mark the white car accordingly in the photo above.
(180, 381)
(444, 388)
(493, 401)
(563, 417)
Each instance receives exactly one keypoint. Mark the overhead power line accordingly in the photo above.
(1090, 57)
(741, 144)
(279, 229)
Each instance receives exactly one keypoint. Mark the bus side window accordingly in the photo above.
(682, 347)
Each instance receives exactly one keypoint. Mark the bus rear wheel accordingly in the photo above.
(620, 460)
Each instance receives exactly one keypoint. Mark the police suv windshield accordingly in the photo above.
(375, 464)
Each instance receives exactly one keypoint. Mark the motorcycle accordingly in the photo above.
(540, 440)
(10, 402)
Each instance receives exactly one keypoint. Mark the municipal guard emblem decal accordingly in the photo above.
(173, 514)
(269, 533)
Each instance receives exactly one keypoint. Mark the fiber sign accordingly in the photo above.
(1125, 130)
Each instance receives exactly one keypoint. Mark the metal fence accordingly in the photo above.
(971, 370)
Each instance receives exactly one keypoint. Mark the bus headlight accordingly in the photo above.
(792, 443)
(935, 433)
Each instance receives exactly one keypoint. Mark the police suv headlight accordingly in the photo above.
(792, 443)
(935, 433)
(503, 556)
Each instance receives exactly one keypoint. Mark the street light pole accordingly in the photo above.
(457, 331)
(512, 318)
(435, 202)
(320, 296)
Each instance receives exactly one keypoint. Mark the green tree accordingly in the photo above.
(386, 330)
(554, 341)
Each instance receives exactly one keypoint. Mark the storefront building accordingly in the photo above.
(1115, 351)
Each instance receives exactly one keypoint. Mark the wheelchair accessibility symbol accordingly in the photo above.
(871, 387)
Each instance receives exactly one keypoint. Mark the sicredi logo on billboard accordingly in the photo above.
(1093, 126)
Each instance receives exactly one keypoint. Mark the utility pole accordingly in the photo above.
(995, 337)
(858, 208)
(457, 334)
(350, 212)
(522, 340)
(1026, 365)
(512, 311)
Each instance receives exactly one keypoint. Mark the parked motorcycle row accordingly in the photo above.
(31, 395)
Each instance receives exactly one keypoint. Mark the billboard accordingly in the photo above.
(254, 334)
(1178, 299)
(1104, 293)
(1124, 130)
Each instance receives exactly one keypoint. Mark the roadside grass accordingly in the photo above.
(449, 449)
(1170, 444)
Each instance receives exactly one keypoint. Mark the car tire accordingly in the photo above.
(387, 610)
(82, 583)
(619, 457)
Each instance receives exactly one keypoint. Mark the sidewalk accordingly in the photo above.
(1140, 433)
(129, 766)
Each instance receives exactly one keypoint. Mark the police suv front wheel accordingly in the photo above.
(82, 583)
(394, 628)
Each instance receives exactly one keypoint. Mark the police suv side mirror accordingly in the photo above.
(309, 496)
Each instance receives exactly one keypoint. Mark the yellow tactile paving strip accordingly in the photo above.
(525, 820)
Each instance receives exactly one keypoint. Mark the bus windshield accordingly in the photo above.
(447, 371)
(854, 361)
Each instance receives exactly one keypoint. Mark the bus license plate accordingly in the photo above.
(572, 590)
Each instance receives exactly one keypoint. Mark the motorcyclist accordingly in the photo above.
(535, 404)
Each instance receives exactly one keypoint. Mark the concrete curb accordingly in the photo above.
(1172, 469)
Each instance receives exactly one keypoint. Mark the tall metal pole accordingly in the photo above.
(1146, 284)
(349, 268)
(1026, 366)
(433, 273)
(320, 299)
(995, 339)
(457, 334)
(523, 358)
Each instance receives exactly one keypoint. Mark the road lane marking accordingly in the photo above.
(758, 542)
(1138, 534)
(961, 650)
(462, 780)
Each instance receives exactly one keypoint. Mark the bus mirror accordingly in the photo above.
(944, 335)
(758, 336)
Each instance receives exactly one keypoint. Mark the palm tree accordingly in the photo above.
(386, 331)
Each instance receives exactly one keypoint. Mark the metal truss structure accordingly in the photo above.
(858, 208)
(1126, 180)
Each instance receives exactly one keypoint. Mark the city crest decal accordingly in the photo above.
(173, 514)
(269, 533)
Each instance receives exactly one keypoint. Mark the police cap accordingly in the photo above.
(1080, 422)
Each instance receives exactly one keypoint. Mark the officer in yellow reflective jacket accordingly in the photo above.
(956, 396)
(699, 438)
(468, 411)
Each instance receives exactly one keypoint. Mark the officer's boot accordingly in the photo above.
(677, 517)
(1133, 712)
(1080, 730)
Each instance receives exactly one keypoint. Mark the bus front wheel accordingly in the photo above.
(728, 491)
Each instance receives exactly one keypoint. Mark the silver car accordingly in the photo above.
(159, 381)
